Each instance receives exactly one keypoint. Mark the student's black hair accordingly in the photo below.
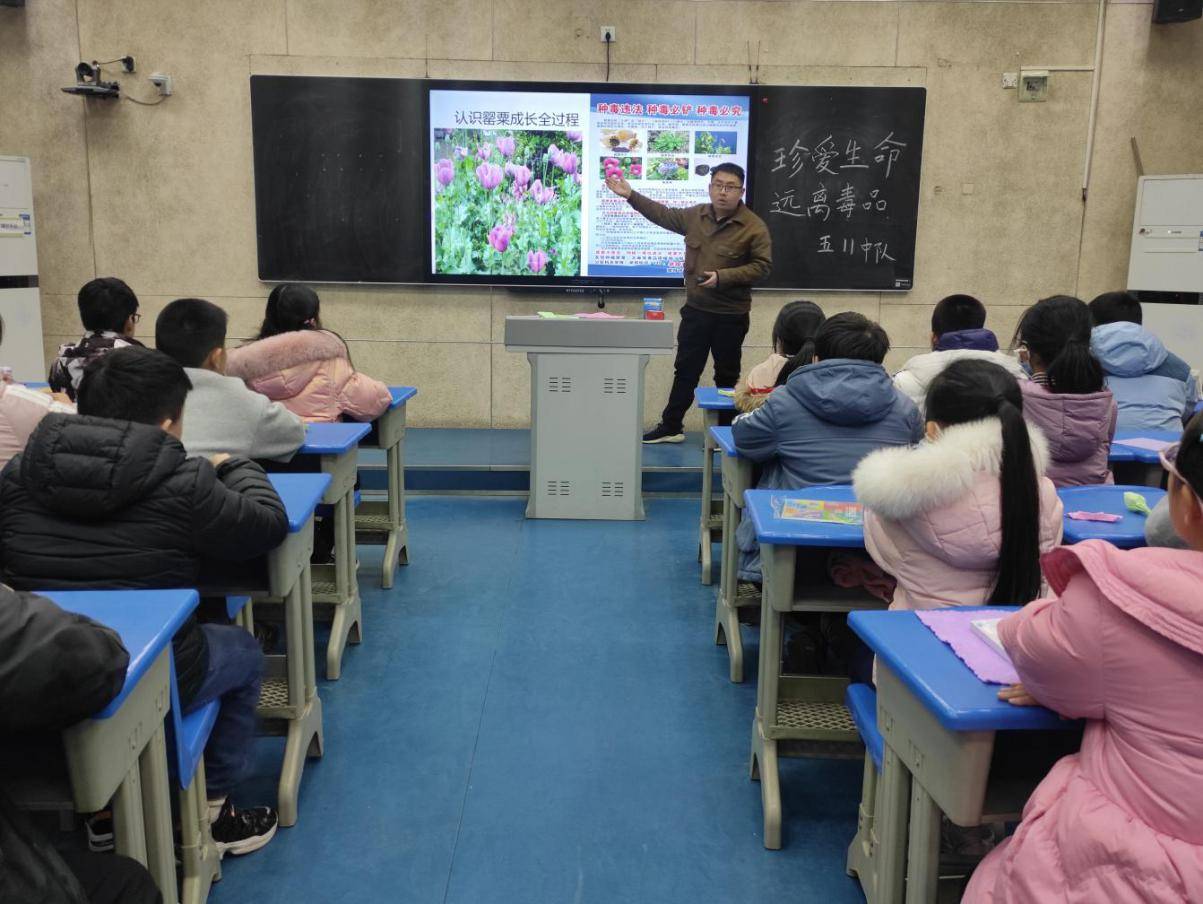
(851, 335)
(733, 168)
(1116, 307)
(1190, 454)
(794, 335)
(290, 307)
(188, 329)
(957, 312)
(105, 304)
(1058, 330)
(134, 384)
(972, 390)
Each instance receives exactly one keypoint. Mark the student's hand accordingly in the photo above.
(1017, 695)
(619, 186)
(711, 279)
(61, 397)
(219, 459)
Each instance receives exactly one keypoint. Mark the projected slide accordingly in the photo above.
(517, 187)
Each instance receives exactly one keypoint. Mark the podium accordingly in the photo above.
(587, 412)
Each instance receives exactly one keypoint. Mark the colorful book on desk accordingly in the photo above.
(821, 510)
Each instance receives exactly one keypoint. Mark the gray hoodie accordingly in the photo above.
(222, 415)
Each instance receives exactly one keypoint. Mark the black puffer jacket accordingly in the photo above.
(55, 669)
(100, 504)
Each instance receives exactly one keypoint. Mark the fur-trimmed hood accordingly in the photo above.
(276, 353)
(900, 483)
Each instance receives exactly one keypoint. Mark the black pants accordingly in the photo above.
(110, 879)
(701, 334)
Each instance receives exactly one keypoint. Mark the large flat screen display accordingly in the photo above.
(517, 178)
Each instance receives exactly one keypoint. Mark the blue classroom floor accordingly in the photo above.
(538, 715)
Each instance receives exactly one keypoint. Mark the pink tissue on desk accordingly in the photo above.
(953, 627)
(1094, 516)
(1143, 442)
(600, 315)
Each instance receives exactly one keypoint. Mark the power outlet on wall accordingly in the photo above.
(1033, 85)
(609, 34)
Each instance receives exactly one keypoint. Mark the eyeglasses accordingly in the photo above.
(136, 316)
(1168, 456)
(726, 188)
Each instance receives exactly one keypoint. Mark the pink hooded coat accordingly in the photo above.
(933, 515)
(1079, 428)
(21, 410)
(1120, 822)
(310, 373)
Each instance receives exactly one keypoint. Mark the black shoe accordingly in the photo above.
(662, 434)
(243, 831)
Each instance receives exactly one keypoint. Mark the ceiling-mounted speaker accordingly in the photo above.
(1167, 11)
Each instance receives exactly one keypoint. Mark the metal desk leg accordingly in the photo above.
(923, 848)
(156, 812)
(348, 618)
(705, 542)
(778, 567)
(305, 726)
(895, 788)
(726, 615)
(129, 825)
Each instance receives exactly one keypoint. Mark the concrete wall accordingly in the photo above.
(162, 196)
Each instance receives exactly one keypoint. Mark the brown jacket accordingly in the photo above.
(739, 249)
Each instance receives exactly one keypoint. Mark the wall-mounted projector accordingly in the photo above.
(88, 81)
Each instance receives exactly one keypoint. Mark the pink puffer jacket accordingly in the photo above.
(21, 410)
(933, 514)
(1118, 822)
(1079, 428)
(310, 373)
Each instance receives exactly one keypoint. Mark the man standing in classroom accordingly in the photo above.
(727, 251)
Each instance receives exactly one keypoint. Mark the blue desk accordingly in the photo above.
(938, 722)
(289, 692)
(1135, 465)
(794, 707)
(1126, 534)
(387, 519)
(120, 754)
(737, 478)
(334, 450)
(712, 405)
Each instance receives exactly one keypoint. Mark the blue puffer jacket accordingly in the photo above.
(1153, 387)
(816, 428)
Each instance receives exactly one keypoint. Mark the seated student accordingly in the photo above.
(826, 418)
(57, 668)
(110, 499)
(962, 519)
(1121, 646)
(221, 414)
(109, 311)
(1153, 387)
(307, 368)
(958, 331)
(21, 409)
(1066, 396)
(793, 345)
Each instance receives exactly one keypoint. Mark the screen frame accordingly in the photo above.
(561, 282)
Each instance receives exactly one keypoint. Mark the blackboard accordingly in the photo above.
(836, 177)
(340, 178)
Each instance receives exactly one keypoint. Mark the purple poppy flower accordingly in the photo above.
(445, 171)
(575, 134)
(506, 145)
(567, 162)
(576, 177)
(461, 152)
(609, 162)
(490, 175)
(520, 173)
(484, 151)
(499, 237)
(553, 153)
(536, 261)
(541, 193)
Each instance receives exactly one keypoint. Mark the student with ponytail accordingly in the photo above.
(308, 369)
(1066, 396)
(962, 519)
(793, 346)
